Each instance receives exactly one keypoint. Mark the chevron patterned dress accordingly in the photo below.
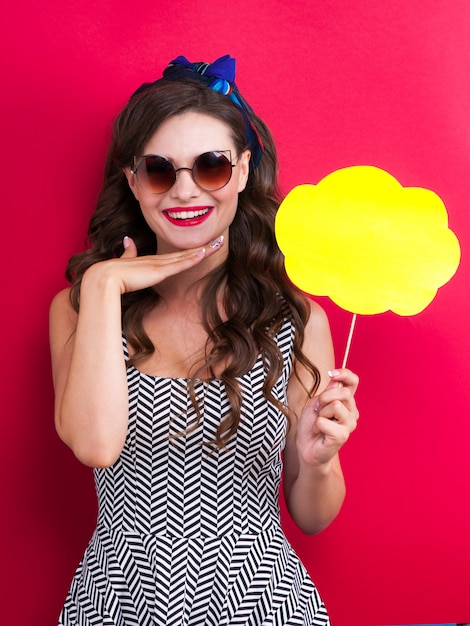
(187, 536)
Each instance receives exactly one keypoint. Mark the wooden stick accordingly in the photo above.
(348, 343)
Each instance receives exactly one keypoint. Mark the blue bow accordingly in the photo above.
(220, 77)
(222, 70)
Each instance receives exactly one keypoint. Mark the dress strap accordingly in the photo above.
(125, 349)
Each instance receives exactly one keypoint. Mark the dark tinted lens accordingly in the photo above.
(156, 174)
(212, 170)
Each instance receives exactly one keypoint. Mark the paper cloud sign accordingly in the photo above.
(368, 243)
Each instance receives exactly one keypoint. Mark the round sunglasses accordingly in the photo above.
(210, 170)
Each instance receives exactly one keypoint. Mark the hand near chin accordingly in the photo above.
(132, 272)
(328, 419)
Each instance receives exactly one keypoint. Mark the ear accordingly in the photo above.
(243, 166)
(131, 181)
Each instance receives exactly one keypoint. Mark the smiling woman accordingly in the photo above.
(172, 194)
(188, 370)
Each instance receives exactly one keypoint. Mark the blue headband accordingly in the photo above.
(220, 77)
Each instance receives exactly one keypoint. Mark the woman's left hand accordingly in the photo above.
(328, 419)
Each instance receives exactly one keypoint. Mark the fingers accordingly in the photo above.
(338, 413)
(130, 249)
(336, 403)
(139, 272)
(190, 257)
(339, 433)
(343, 377)
(337, 393)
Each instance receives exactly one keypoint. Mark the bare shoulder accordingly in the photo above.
(62, 316)
(317, 329)
(62, 298)
(318, 319)
(318, 348)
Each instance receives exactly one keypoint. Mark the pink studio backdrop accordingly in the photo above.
(340, 83)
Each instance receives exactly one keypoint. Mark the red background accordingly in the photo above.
(340, 83)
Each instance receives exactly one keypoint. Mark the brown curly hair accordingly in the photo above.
(257, 290)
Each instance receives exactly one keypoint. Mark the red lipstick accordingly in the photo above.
(188, 216)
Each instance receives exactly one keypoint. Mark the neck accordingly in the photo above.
(188, 286)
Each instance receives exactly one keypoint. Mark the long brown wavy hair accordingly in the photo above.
(256, 290)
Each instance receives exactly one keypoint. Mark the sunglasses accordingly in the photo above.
(211, 171)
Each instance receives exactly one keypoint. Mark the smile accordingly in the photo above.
(188, 217)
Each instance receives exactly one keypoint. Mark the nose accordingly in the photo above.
(185, 186)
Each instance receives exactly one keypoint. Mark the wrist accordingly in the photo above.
(316, 469)
(100, 278)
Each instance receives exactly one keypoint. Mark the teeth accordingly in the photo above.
(187, 215)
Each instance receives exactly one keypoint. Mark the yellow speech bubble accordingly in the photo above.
(368, 243)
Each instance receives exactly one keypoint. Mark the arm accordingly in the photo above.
(89, 373)
(313, 480)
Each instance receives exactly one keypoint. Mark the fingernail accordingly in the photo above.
(216, 243)
(333, 373)
(201, 253)
(125, 242)
(316, 407)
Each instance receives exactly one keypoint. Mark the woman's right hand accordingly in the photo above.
(133, 272)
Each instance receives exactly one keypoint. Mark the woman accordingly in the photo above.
(185, 363)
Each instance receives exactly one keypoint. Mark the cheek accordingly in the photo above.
(148, 207)
(230, 198)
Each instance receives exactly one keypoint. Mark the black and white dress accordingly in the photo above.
(187, 536)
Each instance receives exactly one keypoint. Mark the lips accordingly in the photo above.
(188, 216)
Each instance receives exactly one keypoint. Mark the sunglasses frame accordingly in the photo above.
(135, 169)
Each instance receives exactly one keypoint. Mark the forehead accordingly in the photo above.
(190, 134)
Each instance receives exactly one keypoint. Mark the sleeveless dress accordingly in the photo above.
(189, 536)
